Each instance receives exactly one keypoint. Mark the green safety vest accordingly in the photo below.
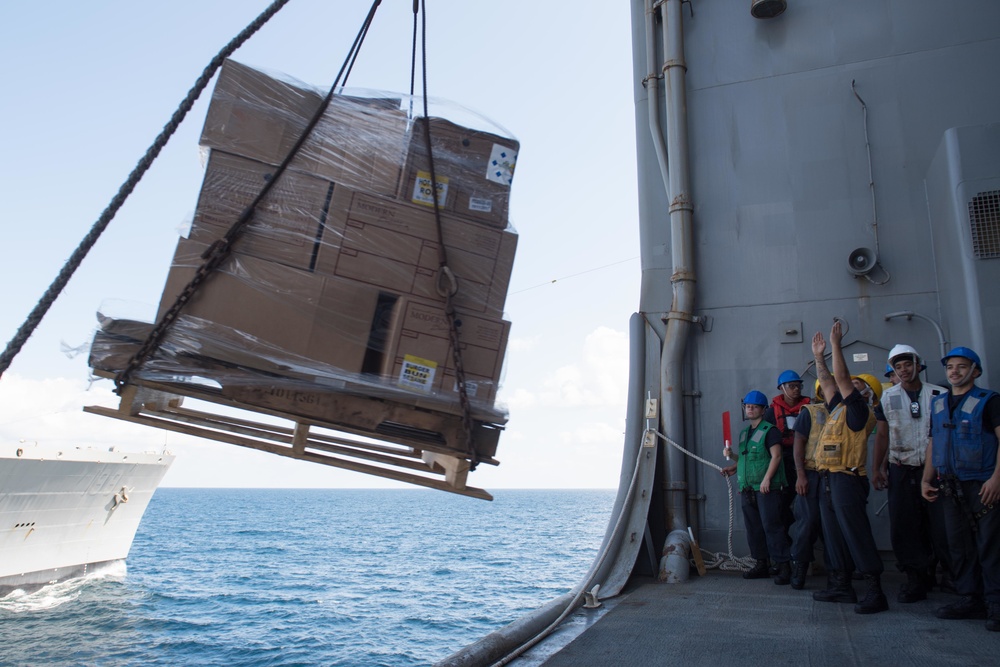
(755, 457)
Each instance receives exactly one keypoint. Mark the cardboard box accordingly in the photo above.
(256, 115)
(420, 357)
(473, 169)
(359, 142)
(287, 224)
(255, 312)
(394, 245)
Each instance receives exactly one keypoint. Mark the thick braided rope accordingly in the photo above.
(73, 263)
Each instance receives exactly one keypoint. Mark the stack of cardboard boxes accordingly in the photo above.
(339, 267)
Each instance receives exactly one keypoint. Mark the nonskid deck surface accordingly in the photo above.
(721, 617)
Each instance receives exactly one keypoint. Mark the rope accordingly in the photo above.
(723, 561)
(73, 263)
(219, 251)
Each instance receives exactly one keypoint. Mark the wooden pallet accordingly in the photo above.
(371, 435)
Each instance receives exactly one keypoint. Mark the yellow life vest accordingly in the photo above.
(818, 415)
(841, 449)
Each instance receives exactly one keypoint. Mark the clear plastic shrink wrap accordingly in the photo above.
(334, 280)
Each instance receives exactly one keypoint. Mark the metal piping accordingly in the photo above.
(647, 357)
(871, 184)
(652, 84)
(909, 315)
(679, 318)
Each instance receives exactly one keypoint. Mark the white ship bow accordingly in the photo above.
(66, 510)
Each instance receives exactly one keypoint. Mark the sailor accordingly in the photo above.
(807, 527)
(783, 411)
(965, 429)
(761, 477)
(840, 459)
(890, 375)
(901, 438)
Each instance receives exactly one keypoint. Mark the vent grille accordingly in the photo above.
(984, 217)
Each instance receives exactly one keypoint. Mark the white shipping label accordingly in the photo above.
(470, 388)
(501, 165)
(480, 204)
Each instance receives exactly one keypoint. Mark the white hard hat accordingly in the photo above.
(900, 350)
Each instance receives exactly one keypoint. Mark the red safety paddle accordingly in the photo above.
(727, 433)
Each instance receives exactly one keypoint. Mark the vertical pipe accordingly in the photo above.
(682, 255)
(652, 82)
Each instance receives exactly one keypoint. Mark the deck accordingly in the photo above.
(722, 618)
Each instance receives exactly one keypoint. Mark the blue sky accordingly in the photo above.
(89, 86)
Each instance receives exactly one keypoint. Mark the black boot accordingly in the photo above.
(874, 600)
(968, 606)
(915, 588)
(784, 574)
(839, 589)
(993, 617)
(758, 571)
(799, 575)
(946, 584)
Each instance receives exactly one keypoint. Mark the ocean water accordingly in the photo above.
(312, 577)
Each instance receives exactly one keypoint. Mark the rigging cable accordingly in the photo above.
(219, 251)
(447, 283)
(575, 275)
(73, 263)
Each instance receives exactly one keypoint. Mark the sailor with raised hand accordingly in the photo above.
(807, 527)
(760, 475)
(965, 430)
(902, 434)
(840, 459)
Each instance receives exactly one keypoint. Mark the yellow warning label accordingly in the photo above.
(417, 373)
(422, 190)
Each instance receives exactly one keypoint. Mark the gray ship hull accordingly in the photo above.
(65, 512)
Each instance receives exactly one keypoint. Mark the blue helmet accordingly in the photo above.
(755, 398)
(965, 353)
(788, 376)
(889, 370)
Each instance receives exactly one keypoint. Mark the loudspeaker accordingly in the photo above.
(767, 9)
(861, 261)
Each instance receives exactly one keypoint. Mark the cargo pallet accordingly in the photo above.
(376, 436)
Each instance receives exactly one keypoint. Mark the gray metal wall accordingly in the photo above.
(782, 196)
